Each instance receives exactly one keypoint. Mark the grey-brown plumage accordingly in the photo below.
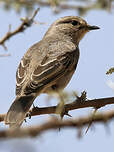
(48, 65)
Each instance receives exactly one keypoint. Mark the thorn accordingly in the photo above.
(34, 106)
(68, 114)
(5, 48)
(35, 13)
(59, 129)
(9, 30)
(25, 120)
(94, 112)
(88, 127)
(79, 134)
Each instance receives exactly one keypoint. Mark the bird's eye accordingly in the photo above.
(75, 23)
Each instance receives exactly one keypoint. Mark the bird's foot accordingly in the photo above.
(28, 115)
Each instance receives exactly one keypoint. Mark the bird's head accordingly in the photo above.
(71, 26)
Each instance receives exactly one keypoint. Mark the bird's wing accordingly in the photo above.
(24, 66)
(21, 73)
(48, 66)
(46, 74)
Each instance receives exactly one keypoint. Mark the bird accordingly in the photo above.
(47, 66)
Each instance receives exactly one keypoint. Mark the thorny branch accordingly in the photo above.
(57, 6)
(55, 123)
(80, 102)
(80, 8)
(26, 22)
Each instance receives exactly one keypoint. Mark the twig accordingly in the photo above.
(77, 104)
(110, 71)
(26, 22)
(64, 5)
(5, 55)
(54, 123)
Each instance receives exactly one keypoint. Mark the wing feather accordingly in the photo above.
(21, 73)
(48, 73)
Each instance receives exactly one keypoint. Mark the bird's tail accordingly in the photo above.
(17, 112)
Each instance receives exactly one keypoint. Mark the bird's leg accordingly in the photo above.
(60, 107)
(29, 112)
(34, 105)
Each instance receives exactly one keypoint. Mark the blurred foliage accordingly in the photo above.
(81, 6)
(110, 71)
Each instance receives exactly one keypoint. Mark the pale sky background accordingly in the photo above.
(96, 57)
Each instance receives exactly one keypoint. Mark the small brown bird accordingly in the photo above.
(48, 65)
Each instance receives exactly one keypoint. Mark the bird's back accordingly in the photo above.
(37, 59)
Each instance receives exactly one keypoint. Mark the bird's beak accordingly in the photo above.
(89, 27)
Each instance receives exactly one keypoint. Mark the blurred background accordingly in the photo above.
(96, 57)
